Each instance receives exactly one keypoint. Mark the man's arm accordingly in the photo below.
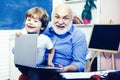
(80, 51)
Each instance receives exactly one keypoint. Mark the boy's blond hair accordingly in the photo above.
(39, 13)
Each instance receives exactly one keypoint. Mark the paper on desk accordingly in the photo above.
(84, 75)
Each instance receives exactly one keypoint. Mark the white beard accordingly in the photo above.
(63, 31)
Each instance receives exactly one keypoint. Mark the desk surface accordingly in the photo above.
(84, 75)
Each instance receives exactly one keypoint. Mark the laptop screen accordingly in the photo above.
(25, 50)
(105, 37)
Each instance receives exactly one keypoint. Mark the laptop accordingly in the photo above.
(25, 51)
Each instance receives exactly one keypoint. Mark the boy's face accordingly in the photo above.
(33, 24)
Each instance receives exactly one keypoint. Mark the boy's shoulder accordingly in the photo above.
(43, 36)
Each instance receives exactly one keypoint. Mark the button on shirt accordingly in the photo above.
(70, 48)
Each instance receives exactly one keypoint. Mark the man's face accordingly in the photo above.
(32, 24)
(62, 20)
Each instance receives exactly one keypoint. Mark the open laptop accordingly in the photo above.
(25, 51)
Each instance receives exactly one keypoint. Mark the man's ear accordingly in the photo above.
(42, 28)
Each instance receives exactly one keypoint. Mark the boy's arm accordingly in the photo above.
(50, 57)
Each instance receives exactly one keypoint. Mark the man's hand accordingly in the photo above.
(64, 69)
(67, 68)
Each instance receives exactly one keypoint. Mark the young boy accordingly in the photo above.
(36, 21)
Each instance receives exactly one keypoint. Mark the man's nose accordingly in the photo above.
(60, 21)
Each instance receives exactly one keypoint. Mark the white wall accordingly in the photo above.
(4, 55)
(110, 11)
(7, 68)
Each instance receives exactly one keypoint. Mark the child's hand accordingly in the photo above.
(18, 34)
(51, 64)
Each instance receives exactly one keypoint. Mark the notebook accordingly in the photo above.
(25, 51)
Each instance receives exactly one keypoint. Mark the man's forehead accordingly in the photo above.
(62, 12)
